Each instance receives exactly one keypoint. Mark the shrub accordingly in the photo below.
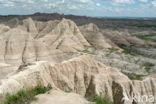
(26, 96)
(113, 49)
(99, 99)
(137, 77)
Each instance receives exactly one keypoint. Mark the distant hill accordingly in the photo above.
(101, 22)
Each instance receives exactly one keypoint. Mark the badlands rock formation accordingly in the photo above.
(92, 33)
(60, 97)
(82, 75)
(29, 41)
(34, 52)
(121, 38)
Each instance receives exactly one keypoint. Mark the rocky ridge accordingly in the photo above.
(82, 75)
(34, 52)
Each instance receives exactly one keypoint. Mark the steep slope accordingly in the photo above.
(34, 41)
(81, 75)
(60, 97)
(92, 33)
(121, 38)
(3, 28)
(26, 41)
(31, 27)
(12, 23)
(19, 47)
(65, 36)
(45, 27)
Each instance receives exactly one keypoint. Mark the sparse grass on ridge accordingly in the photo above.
(99, 99)
(137, 77)
(147, 36)
(26, 96)
(127, 51)
(113, 49)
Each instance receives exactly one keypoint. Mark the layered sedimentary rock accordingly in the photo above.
(19, 47)
(92, 33)
(31, 41)
(41, 48)
(121, 38)
(66, 36)
(60, 97)
(81, 75)
(25, 41)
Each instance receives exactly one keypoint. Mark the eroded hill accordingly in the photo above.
(80, 59)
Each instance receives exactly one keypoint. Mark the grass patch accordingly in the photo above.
(26, 96)
(99, 99)
(143, 26)
(113, 49)
(147, 36)
(137, 77)
(125, 51)
(148, 66)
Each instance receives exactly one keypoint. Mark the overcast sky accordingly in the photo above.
(113, 8)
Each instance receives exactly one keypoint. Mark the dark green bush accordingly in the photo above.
(99, 99)
(26, 96)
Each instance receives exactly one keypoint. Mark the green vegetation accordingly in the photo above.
(143, 26)
(147, 36)
(26, 96)
(137, 77)
(113, 49)
(99, 99)
(148, 66)
(126, 51)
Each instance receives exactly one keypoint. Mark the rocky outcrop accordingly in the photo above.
(31, 41)
(30, 27)
(81, 75)
(3, 28)
(19, 47)
(60, 97)
(120, 38)
(93, 35)
(66, 36)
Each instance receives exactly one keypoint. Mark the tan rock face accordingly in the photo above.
(60, 97)
(66, 37)
(31, 41)
(28, 41)
(120, 38)
(82, 75)
(92, 33)
(43, 46)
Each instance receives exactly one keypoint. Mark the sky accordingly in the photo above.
(95, 8)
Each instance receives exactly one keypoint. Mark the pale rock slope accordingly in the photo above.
(3, 28)
(29, 41)
(19, 47)
(66, 36)
(45, 27)
(13, 22)
(82, 75)
(121, 38)
(60, 97)
(92, 33)
(30, 27)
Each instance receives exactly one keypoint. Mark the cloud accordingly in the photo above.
(144, 1)
(45, 0)
(22, 1)
(98, 4)
(121, 2)
(82, 7)
(154, 3)
(7, 3)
